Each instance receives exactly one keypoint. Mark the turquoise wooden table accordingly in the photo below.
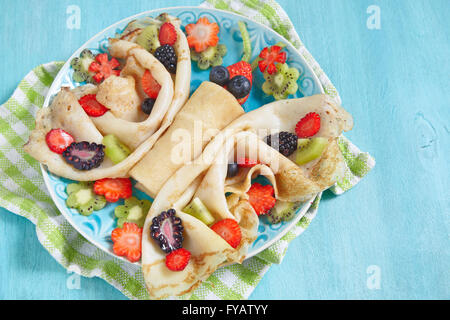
(388, 238)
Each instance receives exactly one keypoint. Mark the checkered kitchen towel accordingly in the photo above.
(22, 189)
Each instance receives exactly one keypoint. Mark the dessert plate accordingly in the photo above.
(97, 227)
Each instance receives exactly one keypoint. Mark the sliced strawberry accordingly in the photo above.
(308, 126)
(113, 189)
(58, 140)
(91, 106)
(150, 85)
(241, 68)
(202, 34)
(229, 230)
(247, 163)
(104, 68)
(167, 34)
(127, 241)
(261, 198)
(269, 57)
(178, 259)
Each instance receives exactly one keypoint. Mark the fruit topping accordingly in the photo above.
(81, 65)
(241, 68)
(82, 198)
(167, 231)
(308, 126)
(197, 209)
(113, 189)
(84, 155)
(202, 34)
(91, 106)
(58, 140)
(103, 68)
(310, 149)
(261, 198)
(282, 211)
(233, 169)
(219, 75)
(167, 34)
(284, 142)
(127, 241)
(149, 38)
(246, 41)
(240, 87)
(282, 83)
(133, 210)
(178, 259)
(167, 56)
(247, 163)
(229, 230)
(269, 57)
(115, 150)
(150, 86)
(147, 105)
(210, 57)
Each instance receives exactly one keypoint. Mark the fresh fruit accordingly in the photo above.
(246, 41)
(229, 230)
(210, 57)
(233, 169)
(167, 34)
(58, 140)
(82, 198)
(219, 75)
(247, 163)
(150, 86)
(167, 56)
(91, 106)
(202, 34)
(308, 126)
(127, 241)
(113, 188)
(167, 231)
(261, 198)
(239, 86)
(178, 259)
(197, 209)
(115, 150)
(282, 211)
(80, 66)
(284, 142)
(269, 57)
(103, 68)
(149, 38)
(147, 105)
(84, 155)
(241, 68)
(282, 83)
(310, 149)
(133, 210)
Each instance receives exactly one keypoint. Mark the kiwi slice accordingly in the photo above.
(115, 149)
(310, 149)
(282, 83)
(149, 38)
(282, 211)
(83, 199)
(133, 210)
(211, 57)
(197, 209)
(80, 66)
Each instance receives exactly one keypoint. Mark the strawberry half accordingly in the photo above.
(247, 163)
(113, 189)
(261, 198)
(58, 140)
(242, 68)
(167, 34)
(202, 34)
(127, 241)
(229, 230)
(308, 126)
(91, 106)
(150, 86)
(269, 57)
(178, 259)
(104, 68)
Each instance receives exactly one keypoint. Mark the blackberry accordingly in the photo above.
(84, 155)
(167, 231)
(284, 142)
(167, 56)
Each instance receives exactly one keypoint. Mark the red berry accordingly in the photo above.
(308, 126)
(58, 140)
(247, 163)
(202, 34)
(178, 259)
(127, 241)
(91, 106)
(167, 34)
(229, 230)
(104, 68)
(269, 57)
(113, 189)
(261, 198)
(241, 68)
(150, 85)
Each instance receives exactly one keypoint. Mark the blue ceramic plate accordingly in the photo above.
(98, 226)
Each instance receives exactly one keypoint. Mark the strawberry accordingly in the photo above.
(167, 34)
(91, 106)
(202, 34)
(127, 241)
(113, 189)
(178, 259)
(261, 198)
(269, 56)
(103, 68)
(247, 163)
(150, 85)
(229, 230)
(58, 140)
(241, 68)
(308, 125)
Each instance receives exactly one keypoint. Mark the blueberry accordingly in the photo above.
(147, 105)
(219, 75)
(239, 87)
(233, 169)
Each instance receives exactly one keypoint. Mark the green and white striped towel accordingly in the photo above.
(22, 189)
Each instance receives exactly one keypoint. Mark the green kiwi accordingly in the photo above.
(282, 211)
(133, 210)
(211, 57)
(310, 149)
(149, 38)
(282, 83)
(82, 198)
(197, 209)
(80, 66)
(115, 150)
